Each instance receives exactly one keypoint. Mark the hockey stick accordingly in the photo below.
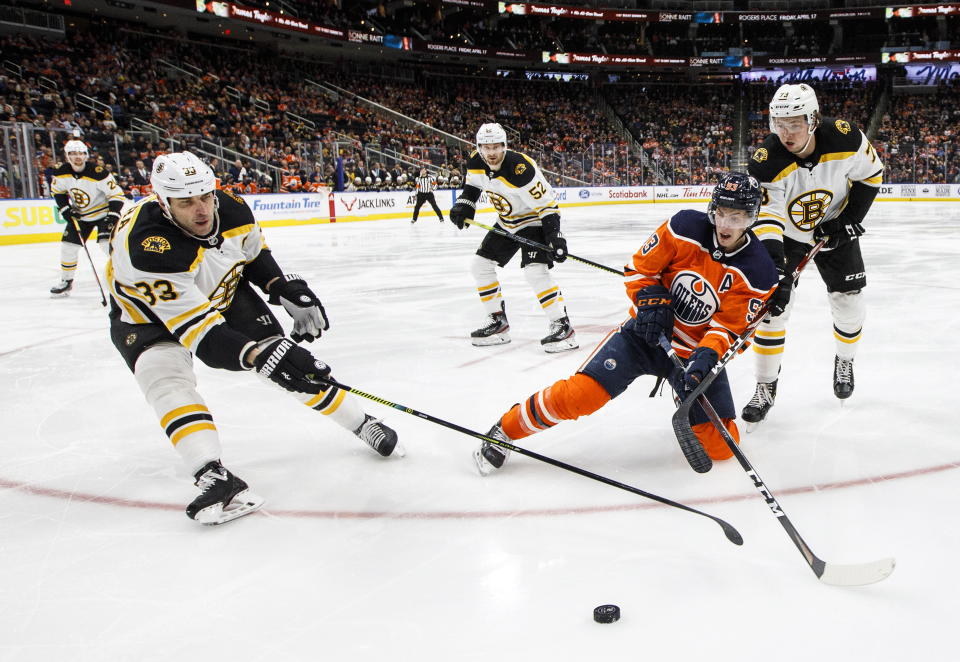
(731, 533)
(542, 247)
(829, 573)
(76, 226)
(681, 418)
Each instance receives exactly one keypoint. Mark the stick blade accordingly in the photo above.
(859, 574)
(689, 444)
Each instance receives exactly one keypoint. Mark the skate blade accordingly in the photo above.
(398, 450)
(243, 504)
(483, 466)
(750, 427)
(499, 339)
(561, 346)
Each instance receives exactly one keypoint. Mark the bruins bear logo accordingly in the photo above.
(520, 169)
(155, 244)
(842, 126)
(760, 155)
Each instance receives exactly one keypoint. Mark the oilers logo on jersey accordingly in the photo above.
(808, 209)
(694, 301)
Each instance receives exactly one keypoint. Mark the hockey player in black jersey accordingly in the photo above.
(527, 207)
(820, 176)
(88, 198)
(183, 265)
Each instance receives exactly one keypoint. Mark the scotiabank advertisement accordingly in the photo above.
(29, 221)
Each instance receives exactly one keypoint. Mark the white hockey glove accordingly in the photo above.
(309, 317)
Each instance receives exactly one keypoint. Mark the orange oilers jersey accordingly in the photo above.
(715, 295)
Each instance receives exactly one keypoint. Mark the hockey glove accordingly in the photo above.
(551, 232)
(309, 317)
(701, 362)
(654, 314)
(780, 297)
(460, 213)
(290, 366)
(68, 214)
(838, 231)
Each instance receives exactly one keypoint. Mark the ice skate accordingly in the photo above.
(223, 496)
(761, 402)
(842, 377)
(379, 437)
(495, 332)
(490, 456)
(62, 289)
(561, 337)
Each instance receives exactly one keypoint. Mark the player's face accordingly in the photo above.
(793, 132)
(77, 160)
(732, 225)
(493, 153)
(195, 215)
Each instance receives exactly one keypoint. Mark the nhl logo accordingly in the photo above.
(130, 339)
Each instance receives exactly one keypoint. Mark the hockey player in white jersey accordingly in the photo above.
(527, 207)
(88, 194)
(820, 176)
(181, 276)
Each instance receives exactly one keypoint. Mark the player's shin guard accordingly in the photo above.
(164, 373)
(484, 273)
(713, 442)
(68, 260)
(547, 291)
(567, 399)
(849, 311)
(347, 413)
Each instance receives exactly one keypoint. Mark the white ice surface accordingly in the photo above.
(355, 557)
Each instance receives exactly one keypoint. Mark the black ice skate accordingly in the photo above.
(761, 402)
(223, 496)
(842, 377)
(561, 337)
(62, 289)
(490, 456)
(494, 333)
(378, 436)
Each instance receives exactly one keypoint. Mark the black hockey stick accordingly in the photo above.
(681, 418)
(731, 533)
(542, 247)
(829, 573)
(76, 226)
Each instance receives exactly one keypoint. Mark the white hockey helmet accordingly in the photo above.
(368, 180)
(378, 181)
(491, 134)
(76, 146)
(180, 175)
(793, 100)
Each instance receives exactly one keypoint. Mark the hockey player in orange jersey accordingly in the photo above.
(699, 280)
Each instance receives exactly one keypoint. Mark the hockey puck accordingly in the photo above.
(606, 614)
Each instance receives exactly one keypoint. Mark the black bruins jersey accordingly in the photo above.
(518, 190)
(91, 193)
(799, 193)
(157, 274)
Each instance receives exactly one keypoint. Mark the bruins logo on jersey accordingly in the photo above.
(222, 296)
(500, 203)
(760, 155)
(520, 169)
(79, 197)
(842, 126)
(155, 244)
(809, 209)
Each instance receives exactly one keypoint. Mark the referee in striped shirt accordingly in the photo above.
(426, 185)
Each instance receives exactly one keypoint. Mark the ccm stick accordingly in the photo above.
(731, 533)
(829, 573)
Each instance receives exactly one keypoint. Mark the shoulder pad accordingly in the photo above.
(769, 159)
(475, 162)
(517, 169)
(233, 210)
(837, 135)
(755, 264)
(156, 246)
(63, 168)
(691, 224)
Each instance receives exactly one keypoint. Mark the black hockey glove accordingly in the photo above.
(654, 314)
(701, 362)
(781, 297)
(460, 213)
(290, 366)
(551, 232)
(838, 231)
(309, 317)
(68, 214)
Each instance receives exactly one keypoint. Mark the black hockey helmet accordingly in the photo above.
(736, 190)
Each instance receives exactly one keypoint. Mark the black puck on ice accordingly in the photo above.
(606, 614)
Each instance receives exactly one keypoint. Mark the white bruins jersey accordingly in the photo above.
(157, 274)
(799, 194)
(89, 191)
(518, 190)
